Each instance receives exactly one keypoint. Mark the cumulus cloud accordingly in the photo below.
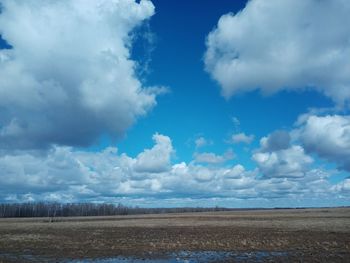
(276, 158)
(343, 188)
(68, 175)
(25, 173)
(241, 138)
(85, 174)
(65, 174)
(278, 45)
(327, 136)
(69, 77)
(197, 181)
(287, 168)
(314, 184)
(278, 140)
(157, 159)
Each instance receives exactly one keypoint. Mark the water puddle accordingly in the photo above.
(194, 257)
(178, 257)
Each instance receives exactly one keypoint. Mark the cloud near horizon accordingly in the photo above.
(69, 76)
(68, 175)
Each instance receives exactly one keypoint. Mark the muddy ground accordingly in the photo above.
(304, 235)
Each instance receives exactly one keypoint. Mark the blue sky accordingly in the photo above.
(194, 101)
(175, 102)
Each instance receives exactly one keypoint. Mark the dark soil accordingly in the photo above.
(312, 236)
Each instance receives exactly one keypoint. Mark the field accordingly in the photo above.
(290, 235)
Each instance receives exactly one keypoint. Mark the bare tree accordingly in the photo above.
(53, 210)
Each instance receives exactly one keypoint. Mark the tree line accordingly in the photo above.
(52, 210)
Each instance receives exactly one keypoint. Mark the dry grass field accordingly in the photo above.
(304, 235)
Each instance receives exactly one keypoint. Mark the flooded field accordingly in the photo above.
(301, 235)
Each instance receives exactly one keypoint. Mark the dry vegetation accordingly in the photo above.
(308, 235)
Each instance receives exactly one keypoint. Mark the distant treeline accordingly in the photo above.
(42, 209)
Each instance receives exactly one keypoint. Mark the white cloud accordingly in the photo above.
(195, 180)
(157, 159)
(69, 77)
(278, 140)
(343, 188)
(65, 174)
(85, 174)
(69, 175)
(235, 172)
(327, 136)
(277, 45)
(291, 162)
(24, 172)
(241, 138)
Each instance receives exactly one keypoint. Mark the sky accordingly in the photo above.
(175, 103)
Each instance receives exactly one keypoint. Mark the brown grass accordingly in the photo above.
(313, 234)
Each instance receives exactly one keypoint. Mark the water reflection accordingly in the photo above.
(183, 256)
(194, 257)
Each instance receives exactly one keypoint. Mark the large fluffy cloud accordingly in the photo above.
(327, 136)
(291, 162)
(157, 159)
(343, 188)
(277, 140)
(69, 76)
(276, 158)
(275, 45)
(85, 173)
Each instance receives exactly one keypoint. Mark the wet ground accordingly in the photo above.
(182, 256)
(188, 257)
(302, 235)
